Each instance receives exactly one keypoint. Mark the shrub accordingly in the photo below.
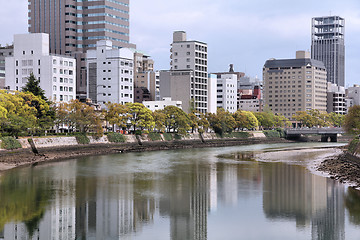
(82, 138)
(281, 132)
(271, 133)
(9, 143)
(155, 136)
(138, 132)
(168, 136)
(239, 134)
(177, 136)
(116, 137)
(353, 145)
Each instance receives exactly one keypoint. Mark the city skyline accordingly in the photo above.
(243, 33)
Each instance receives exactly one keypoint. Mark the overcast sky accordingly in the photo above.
(243, 32)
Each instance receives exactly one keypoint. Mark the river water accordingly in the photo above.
(242, 192)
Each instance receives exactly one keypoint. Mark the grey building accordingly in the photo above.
(75, 26)
(327, 45)
(7, 51)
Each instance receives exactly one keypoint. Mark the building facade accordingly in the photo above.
(7, 51)
(328, 46)
(110, 74)
(354, 94)
(190, 56)
(226, 97)
(75, 26)
(292, 85)
(336, 99)
(160, 105)
(55, 72)
(250, 100)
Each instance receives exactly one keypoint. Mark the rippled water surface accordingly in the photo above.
(244, 192)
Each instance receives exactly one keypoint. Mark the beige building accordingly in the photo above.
(145, 77)
(292, 85)
(189, 73)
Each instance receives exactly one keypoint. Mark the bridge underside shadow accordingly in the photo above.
(305, 138)
(326, 137)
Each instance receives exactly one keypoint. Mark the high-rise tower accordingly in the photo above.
(75, 26)
(327, 45)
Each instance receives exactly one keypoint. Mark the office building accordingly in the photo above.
(189, 61)
(292, 85)
(75, 26)
(56, 73)
(336, 99)
(226, 91)
(328, 46)
(110, 74)
(6, 51)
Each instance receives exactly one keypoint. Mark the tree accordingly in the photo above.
(245, 119)
(159, 120)
(176, 119)
(193, 121)
(83, 117)
(222, 121)
(141, 117)
(352, 120)
(33, 86)
(16, 114)
(336, 119)
(117, 114)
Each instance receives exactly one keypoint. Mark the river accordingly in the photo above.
(268, 191)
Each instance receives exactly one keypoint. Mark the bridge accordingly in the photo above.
(325, 133)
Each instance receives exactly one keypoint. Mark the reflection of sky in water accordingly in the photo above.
(214, 193)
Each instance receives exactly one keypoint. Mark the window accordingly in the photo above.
(54, 79)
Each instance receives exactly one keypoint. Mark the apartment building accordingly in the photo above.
(110, 74)
(55, 72)
(336, 99)
(292, 85)
(226, 92)
(189, 60)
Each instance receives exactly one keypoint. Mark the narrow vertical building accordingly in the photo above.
(189, 60)
(75, 26)
(328, 46)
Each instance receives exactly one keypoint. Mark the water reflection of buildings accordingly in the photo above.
(58, 222)
(287, 196)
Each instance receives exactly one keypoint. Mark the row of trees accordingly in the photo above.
(29, 111)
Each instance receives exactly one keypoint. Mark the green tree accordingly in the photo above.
(222, 121)
(141, 117)
(117, 115)
(83, 117)
(159, 120)
(33, 86)
(17, 115)
(245, 119)
(336, 119)
(176, 120)
(352, 120)
(193, 121)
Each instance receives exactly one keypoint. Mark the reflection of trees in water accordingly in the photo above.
(247, 156)
(23, 199)
(352, 203)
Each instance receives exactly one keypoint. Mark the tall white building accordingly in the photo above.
(110, 74)
(31, 55)
(227, 92)
(336, 99)
(190, 56)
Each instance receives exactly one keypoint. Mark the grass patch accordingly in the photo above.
(177, 136)
(154, 136)
(116, 137)
(9, 143)
(82, 138)
(272, 133)
(168, 136)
